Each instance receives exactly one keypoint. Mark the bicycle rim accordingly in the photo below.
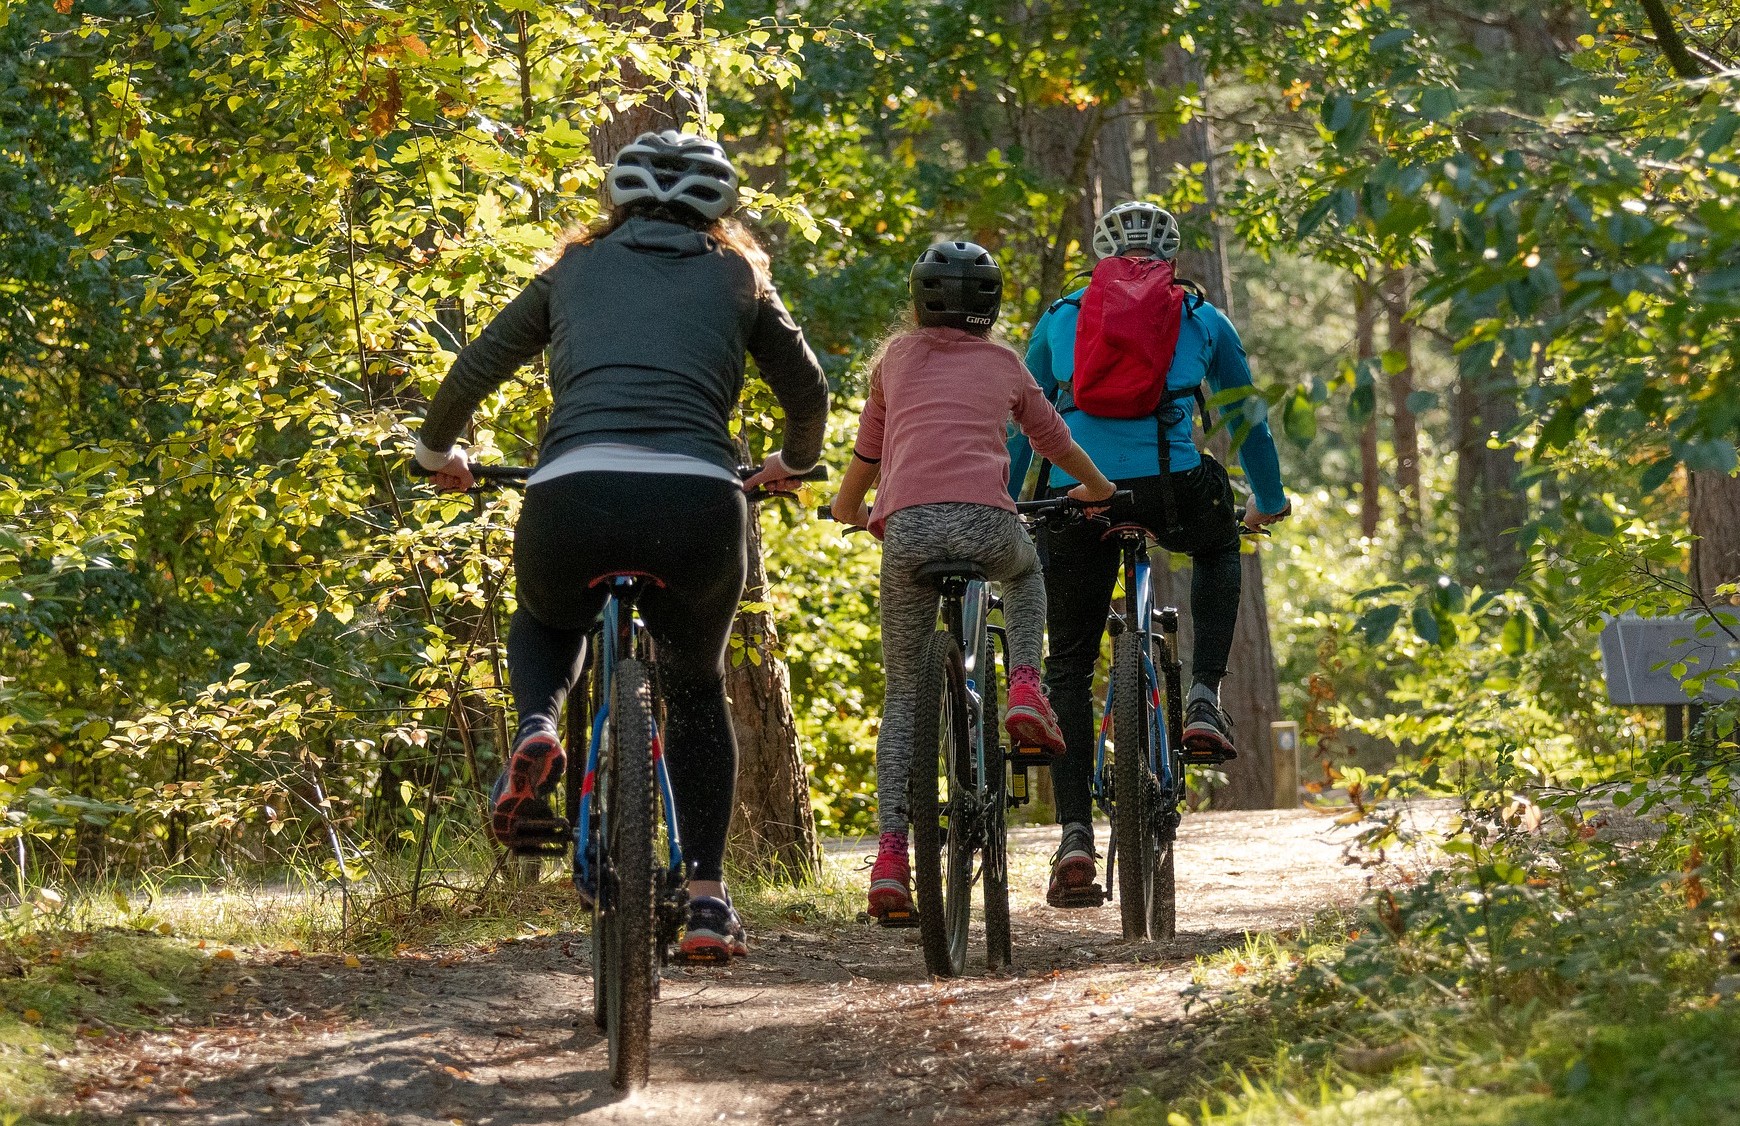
(1130, 784)
(999, 945)
(629, 930)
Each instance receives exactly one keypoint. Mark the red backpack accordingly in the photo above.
(1125, 335)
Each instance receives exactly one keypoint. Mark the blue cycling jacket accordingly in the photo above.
(1208, 353)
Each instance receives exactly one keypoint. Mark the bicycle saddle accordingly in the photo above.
(942, 569)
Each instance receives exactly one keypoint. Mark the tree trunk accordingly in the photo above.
(664, 107)
(1060, 140)
(1405, 433)
(1503, 506)
(1250, 694)
(1370, 484)
(773, 828)
(1715, 517)
(1470, 455)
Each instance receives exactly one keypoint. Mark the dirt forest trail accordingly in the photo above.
(819, 1026)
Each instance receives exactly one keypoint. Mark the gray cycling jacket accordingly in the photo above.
(647, 330)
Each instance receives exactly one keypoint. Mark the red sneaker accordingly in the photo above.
(1031, 722)
(890, 878)
(522, 791)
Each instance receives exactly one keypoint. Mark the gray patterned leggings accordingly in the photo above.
(927, 533)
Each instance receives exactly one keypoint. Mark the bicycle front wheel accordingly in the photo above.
(628, 964)
(1130, 774)
(941, 841)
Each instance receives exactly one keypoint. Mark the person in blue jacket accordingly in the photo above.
(1190, 510)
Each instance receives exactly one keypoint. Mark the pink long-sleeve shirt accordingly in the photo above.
(936, 420)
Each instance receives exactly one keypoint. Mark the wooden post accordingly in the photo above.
(1284, 736)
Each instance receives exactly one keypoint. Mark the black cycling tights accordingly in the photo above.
(689, 532)
(1081, 569)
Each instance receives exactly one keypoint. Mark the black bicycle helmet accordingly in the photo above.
(957, 285)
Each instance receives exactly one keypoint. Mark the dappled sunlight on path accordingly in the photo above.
(820, 1025)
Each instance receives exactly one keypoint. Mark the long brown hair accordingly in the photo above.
(729, 233)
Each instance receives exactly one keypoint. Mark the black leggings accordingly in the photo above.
(1081, 568)
(686, 530)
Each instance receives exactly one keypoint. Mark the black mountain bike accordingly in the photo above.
(618, 818)
(959, 788)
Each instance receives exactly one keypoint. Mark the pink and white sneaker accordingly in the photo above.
(1031, 722)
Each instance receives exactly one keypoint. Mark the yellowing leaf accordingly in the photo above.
(31, 1016)
(351, 961)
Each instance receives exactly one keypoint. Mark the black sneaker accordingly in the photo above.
(715, 934)
(1072, 870)
(1207, 731)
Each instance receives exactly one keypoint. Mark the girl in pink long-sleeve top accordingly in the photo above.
(933, 431)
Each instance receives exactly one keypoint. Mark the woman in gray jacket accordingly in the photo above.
(647, 317)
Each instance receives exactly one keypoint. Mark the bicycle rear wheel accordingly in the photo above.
(999, 945)
(628, 964)
(1130, 820)
(942, 855)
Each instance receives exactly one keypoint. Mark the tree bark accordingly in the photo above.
(1715, 519)
(1250, 694)
(1489, 502)
(1370, 484)
(1405, 425)
(660, 107)
(1061, 141)
(773, 827)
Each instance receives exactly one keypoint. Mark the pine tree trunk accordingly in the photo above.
(1715, 518)
(1370, 484)
(1405, 425)
(1250, 694)
(772, 828)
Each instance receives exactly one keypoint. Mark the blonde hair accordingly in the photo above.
(729, 233)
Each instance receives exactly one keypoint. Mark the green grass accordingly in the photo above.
(58, 987)
(1555, 983)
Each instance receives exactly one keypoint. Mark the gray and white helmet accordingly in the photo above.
(1137, 226)
(673, 167)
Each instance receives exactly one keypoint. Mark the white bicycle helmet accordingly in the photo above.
(673, 167)
(1137, 226)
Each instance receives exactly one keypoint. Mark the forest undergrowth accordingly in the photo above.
(1573, 961)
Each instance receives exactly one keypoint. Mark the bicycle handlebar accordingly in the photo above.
(509, 475)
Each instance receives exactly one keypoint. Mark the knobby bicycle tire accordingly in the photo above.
(937, 730)
(999, 945)
(630, 918)
(1130, 784)
(1163, 897)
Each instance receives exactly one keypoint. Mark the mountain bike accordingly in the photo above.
(959, 786)
(618, 819)
(1139, 783)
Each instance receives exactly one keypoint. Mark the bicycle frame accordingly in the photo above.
(620, 632)
(1164, 725)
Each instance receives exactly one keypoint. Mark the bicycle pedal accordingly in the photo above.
(1031, 756)
(1206, 756)
(897, 919)
(1078, 898)
(708, 956)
